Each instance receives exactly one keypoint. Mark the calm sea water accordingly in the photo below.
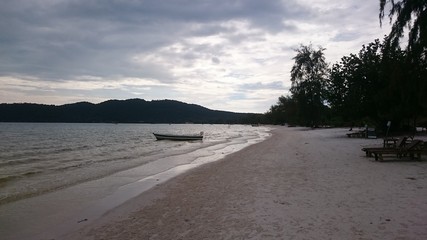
(36, 158)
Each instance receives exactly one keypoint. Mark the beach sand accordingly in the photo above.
(298, 184)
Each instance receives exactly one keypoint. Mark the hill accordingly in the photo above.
(121, 111)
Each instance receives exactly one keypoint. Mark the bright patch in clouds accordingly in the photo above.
(224, 55)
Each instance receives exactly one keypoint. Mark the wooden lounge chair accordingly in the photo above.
(399, 144)
(370, 133)
(366, 133)
(410, 150)
(358, 134)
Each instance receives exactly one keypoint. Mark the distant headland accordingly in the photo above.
(122, 111)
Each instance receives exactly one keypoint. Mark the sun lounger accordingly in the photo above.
(390, 142)
(366, 133)
(411, 150)
(399, 144)
(370, 133)
(358, 134)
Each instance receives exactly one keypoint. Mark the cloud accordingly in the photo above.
(345, 36)
(215, 60)
(233, 51)
(260, 85)
(64, 38)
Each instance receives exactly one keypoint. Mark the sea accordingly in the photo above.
(38, 158)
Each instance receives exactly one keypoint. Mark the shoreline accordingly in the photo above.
(305, 184)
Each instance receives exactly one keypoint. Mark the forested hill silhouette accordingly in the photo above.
(121, 111)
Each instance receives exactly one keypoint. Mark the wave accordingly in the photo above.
(6, 179)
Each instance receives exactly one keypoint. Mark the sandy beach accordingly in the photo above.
(298, 184)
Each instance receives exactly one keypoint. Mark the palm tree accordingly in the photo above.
(411, 14)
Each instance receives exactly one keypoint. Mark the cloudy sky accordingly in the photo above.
(233, 55)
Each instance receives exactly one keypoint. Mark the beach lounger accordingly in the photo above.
(367, 133)
(399, 144)
(411, 150)
(370, 133)
(358, 134)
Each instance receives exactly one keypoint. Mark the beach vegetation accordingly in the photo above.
(285, 111)
(382, 82)
(309, 75)
(374, 86)
(408, 15)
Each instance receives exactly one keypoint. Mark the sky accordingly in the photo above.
(232, 55)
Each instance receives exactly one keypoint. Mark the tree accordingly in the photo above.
(285, 111)
(354, 83)
(411, 14)
(308, 76)
(377, 85)
(337, 92)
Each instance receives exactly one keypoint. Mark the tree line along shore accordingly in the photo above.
(383, 82)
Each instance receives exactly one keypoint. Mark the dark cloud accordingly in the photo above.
(63, 39)
(215, 60)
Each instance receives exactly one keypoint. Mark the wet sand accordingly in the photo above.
(298, 184)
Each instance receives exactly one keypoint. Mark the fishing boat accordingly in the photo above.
(178, 137)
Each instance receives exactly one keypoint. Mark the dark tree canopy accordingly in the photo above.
(407, 14)
(410, 78)
(376, 85)
(308, 76)
(380, 83)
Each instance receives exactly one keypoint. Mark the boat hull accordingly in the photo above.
(178, 137)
